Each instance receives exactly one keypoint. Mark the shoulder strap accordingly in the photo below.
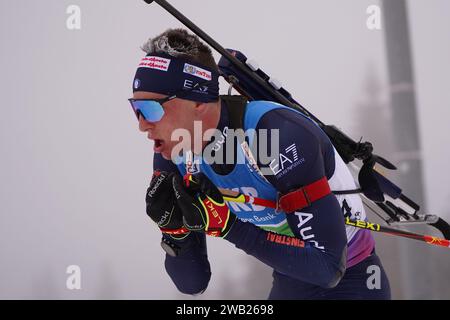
(236, 109)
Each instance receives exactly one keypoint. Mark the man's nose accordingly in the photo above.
(145, 125)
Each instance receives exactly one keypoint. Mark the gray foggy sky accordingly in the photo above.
(74, 168)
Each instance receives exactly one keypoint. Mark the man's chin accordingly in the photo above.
(172, 154)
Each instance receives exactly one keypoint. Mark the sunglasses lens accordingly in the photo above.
(151, 110)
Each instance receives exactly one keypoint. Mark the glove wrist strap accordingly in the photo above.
(181, 230)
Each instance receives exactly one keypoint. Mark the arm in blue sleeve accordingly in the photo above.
(190, 270)
(304, 158)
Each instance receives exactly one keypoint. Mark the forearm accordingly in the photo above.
(190, 270)
(290, 256)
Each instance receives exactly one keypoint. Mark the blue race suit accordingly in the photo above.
(332, 263)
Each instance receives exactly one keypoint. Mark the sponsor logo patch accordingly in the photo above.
(197, 71)
(192, 163)
(288, 160)
(137, 83)
(153, 62)
(195, 87)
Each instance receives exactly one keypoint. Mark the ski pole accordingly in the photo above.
(235, 196)
(346, 147)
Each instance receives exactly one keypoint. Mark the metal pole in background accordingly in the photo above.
(415, 261)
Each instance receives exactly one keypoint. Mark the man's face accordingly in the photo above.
(178, 114)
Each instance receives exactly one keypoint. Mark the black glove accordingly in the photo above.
(202, 205)
(162, 206)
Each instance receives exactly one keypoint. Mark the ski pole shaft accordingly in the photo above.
(396, 232)
(234, 196)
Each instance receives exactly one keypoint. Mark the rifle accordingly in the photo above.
(379, 194)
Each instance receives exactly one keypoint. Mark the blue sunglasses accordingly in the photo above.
(150, 109)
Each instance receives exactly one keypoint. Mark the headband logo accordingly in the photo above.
(153, 62)
(137, 83)
(197, 72)
(195, 87)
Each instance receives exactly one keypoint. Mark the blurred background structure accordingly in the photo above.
(405, 136)
(74, 167)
